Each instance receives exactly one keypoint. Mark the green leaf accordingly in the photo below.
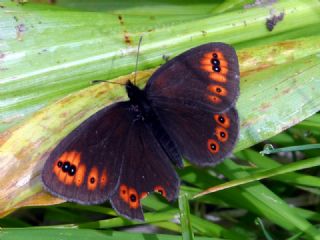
(41, 62)
(292, 167)
(187, 233)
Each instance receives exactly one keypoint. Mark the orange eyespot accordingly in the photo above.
(215, 54)
(222, 119)
(80, 174)
(160, 189)
(75, 158)
(223, 64)
(216, 65)
(213, 146)
(133, 198)
(124, 193)
(224, 71)
(92, 180)
(219, 90)
(68, 180)
(57, 169)
(218, 77)
(214, 99)
(66, 166)
(219, 54)
(222, 134)
(103, 178)
(206, 67)
(64, 156)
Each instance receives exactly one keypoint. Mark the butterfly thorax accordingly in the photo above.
(139, 102)
(142, 109)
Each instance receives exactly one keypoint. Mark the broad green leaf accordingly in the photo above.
(41, 61)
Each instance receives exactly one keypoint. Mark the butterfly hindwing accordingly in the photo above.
(146, 168)
(203, 137)
(204, 77)
(86, 164)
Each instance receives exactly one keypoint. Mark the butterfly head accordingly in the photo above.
(135, 94)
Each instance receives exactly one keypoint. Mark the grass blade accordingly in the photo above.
(187, 233)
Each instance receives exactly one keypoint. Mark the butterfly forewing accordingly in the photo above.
(114, 155)
(204, 77)
(85, 166)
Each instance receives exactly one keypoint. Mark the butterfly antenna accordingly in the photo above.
(100, 81)
(136, 68)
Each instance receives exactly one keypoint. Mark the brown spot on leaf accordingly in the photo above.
(244, 56)
(126, 35)
(286, 91)
(120, 19)
(258, 69)
(265, 106)
(288, 44)
(127, 38)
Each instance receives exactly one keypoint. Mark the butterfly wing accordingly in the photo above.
(85, 166)
(204, 138)
(146, 168)
(193, 96)
(206, 76)
(112, 155)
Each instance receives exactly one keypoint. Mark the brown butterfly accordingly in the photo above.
(129, 149)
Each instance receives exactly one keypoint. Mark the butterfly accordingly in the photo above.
(131, 148)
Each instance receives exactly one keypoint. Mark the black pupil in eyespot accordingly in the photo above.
(92, 180)
(221, 119)
(133, 198)
(215, 62)
(213, 146)
(214, 55)
(218, 90)
(59, 164)
(216, 69)
(72, 170)
(222, 134)
(65, 166)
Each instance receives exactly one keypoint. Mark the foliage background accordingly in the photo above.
(50, 53)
